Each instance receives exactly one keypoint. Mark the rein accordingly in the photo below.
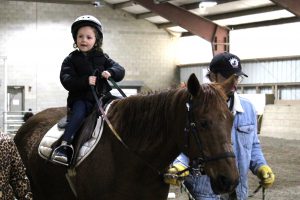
(99, 104)
(117, 87)
(71, 172)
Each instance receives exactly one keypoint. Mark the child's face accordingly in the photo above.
(86, 38)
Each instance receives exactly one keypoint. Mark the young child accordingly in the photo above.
(77, 75)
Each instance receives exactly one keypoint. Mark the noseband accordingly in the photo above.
(191, 129)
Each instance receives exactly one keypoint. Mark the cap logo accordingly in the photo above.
(234, 62)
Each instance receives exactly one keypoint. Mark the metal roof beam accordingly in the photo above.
(145, 15)
(60, 1)
(190, 6)
(241, 13)
(265, 23)
(195, 24)
(166, 25)
(290, 5)
(230, 15)
(123, 4)
(186, 34)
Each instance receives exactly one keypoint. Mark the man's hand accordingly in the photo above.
(265, 174)
(173, 176)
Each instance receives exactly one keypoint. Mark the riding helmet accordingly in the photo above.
(86, 20)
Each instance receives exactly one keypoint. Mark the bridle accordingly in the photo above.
(191, 129)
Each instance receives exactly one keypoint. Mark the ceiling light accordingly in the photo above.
(207, 4)
(96, 4)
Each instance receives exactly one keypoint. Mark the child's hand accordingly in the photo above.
(106, 74)
(92, 80)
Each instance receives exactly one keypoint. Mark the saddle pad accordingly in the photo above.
(55, 133)
(49, 138)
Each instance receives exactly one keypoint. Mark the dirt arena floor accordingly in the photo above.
(284, 158)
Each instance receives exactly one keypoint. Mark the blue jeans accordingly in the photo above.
(80, 109)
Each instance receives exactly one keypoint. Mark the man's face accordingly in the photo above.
(219, 79)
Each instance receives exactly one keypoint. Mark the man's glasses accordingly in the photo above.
(240, 79)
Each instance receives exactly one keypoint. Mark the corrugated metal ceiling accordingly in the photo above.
(234, 14)
(182, 16)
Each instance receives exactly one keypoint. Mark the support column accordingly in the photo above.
(220, 41)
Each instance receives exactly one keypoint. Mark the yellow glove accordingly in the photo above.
(172, 177)
(265, 174)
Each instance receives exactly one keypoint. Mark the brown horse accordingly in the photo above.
(156, 128)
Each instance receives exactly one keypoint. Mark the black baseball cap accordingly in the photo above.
(226, 64)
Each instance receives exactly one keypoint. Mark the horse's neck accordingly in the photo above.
(152, 128)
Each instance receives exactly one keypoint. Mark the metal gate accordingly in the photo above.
(13, 118)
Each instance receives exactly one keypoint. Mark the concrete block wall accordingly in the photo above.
(35, 38)
(281, 121)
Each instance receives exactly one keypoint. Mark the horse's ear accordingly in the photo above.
(193, 85)
(229, 84)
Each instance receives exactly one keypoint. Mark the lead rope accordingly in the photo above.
(263, 193)
(256, 190)
(183, 187)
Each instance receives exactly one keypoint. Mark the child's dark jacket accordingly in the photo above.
(76, 69)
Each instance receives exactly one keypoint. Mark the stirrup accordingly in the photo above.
(63, 159)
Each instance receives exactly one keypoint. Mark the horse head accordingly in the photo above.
(208, 133)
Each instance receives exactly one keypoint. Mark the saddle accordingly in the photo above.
(83, 143)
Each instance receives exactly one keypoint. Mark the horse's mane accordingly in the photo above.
(212, 97)
(145, 118)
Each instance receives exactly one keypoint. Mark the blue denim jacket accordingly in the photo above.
(246, 147)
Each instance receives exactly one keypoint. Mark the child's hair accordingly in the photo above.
(98, 43)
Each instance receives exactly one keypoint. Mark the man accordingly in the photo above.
(245, 141)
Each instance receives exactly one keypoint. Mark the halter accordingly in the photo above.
(191, 128)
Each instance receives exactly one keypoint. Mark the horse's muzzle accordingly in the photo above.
(223, 184)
